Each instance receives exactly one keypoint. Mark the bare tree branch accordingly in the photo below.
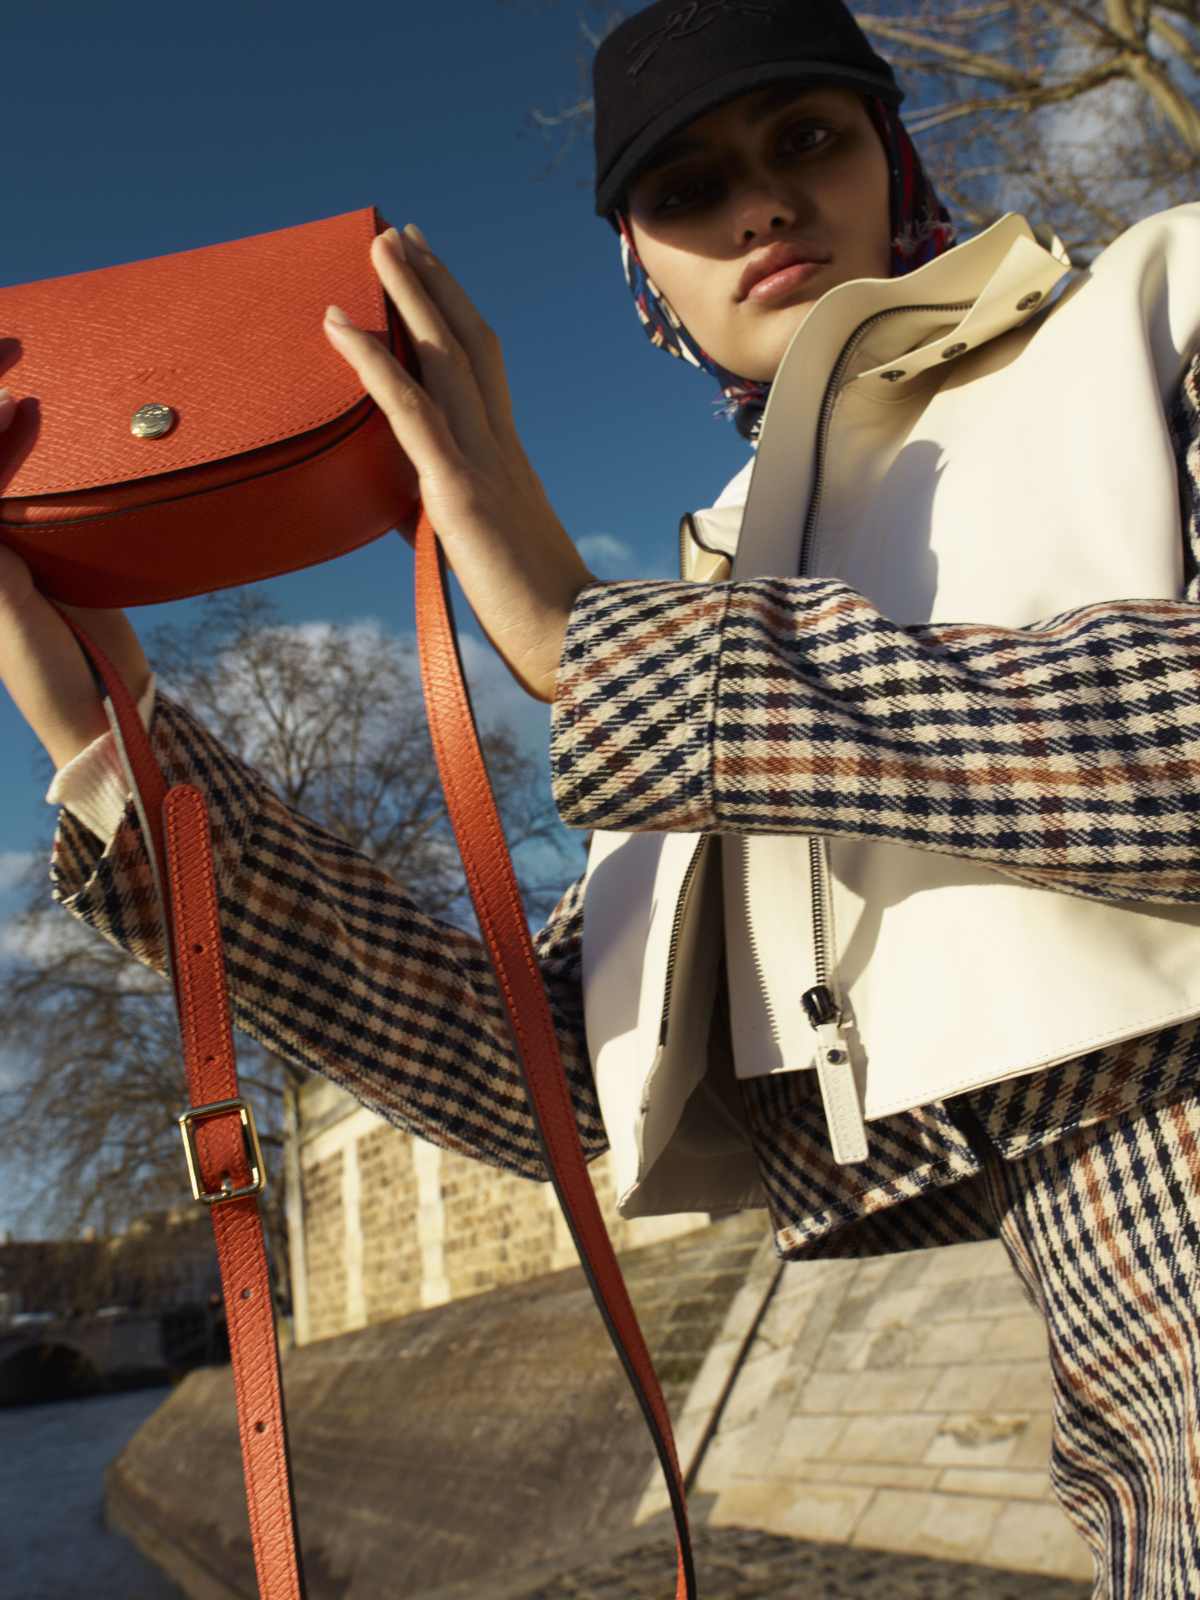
(970, 62)
(1182, 46)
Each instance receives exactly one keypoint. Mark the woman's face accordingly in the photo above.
(776, 167)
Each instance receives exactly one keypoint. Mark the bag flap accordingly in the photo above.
(229, 336)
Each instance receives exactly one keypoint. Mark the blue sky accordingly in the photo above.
(131, 134)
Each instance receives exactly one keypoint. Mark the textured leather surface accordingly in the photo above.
(497, 902)
(237, 1227)
(228, 335)
(177, 820)
(278, 457)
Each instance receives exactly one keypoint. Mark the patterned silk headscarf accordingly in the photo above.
(921, 229)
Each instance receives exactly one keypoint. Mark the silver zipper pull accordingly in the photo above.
(839, 1092)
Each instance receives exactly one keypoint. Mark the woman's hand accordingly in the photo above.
(42, 666)
(516, 563)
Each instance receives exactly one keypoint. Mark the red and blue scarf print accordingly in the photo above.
(921, 230)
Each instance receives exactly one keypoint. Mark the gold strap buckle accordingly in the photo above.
(258, 1172)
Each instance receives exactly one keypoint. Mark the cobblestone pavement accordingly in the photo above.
(743, 1564)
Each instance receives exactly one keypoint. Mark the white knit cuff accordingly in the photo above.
(92, 784)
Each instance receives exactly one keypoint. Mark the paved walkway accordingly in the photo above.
(899, 1403)
(745, 1564)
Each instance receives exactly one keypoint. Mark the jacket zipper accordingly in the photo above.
(839, 1093)
(838, 1090)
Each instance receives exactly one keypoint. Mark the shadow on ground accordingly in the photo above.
(744, 1564)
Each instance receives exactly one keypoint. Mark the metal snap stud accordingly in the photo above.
(836, 1055)
(952, 350)
(1024, 303)
(896, 372)
(151, 421)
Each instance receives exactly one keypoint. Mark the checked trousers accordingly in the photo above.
(1103, 1228)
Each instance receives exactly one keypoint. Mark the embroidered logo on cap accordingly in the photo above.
(692, 18)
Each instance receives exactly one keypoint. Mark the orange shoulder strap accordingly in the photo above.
(218, 1128)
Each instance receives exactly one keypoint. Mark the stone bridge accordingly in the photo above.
(45, 1360)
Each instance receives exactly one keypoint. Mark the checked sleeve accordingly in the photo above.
(1066, 754)
(333, 967)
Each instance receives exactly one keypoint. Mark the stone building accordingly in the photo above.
(381, 1224)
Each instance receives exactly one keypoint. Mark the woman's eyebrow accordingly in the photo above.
(758, 111)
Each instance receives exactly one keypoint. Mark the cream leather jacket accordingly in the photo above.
(939, 442)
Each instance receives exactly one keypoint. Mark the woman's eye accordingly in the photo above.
(807, 127)
(685, 192)
(695, 190)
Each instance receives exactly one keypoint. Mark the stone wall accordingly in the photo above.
(323, 1211)
(383, 1224)
(458, 1445)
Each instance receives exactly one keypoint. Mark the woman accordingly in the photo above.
(990, 748)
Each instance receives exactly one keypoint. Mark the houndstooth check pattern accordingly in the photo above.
(1060, 754)
(1103, 1229)
(332, 966)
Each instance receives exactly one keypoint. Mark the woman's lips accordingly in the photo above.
(778, 285)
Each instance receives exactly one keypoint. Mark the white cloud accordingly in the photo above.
(14, 864)
(604, 551)
(43, 934)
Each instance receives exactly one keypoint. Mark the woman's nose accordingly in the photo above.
(760, 211)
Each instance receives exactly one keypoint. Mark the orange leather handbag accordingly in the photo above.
(183, 425)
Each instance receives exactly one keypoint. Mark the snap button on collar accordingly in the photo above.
(952, 350)
(1029, 300)
(890, 377)
(151, 421)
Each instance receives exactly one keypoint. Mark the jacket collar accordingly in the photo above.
(1001, 279)
(994, 282)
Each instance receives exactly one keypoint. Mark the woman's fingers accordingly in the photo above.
(447, 370)
(462, 317)
(41, 664)
(419, 426)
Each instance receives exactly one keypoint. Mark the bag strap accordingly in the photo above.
(497, 902)
(175, 821)
(220, 1140)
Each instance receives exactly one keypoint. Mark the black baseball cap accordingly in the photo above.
(668, 64)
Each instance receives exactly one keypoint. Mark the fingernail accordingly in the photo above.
(5, 396)
(415, 233)
(336, 315)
